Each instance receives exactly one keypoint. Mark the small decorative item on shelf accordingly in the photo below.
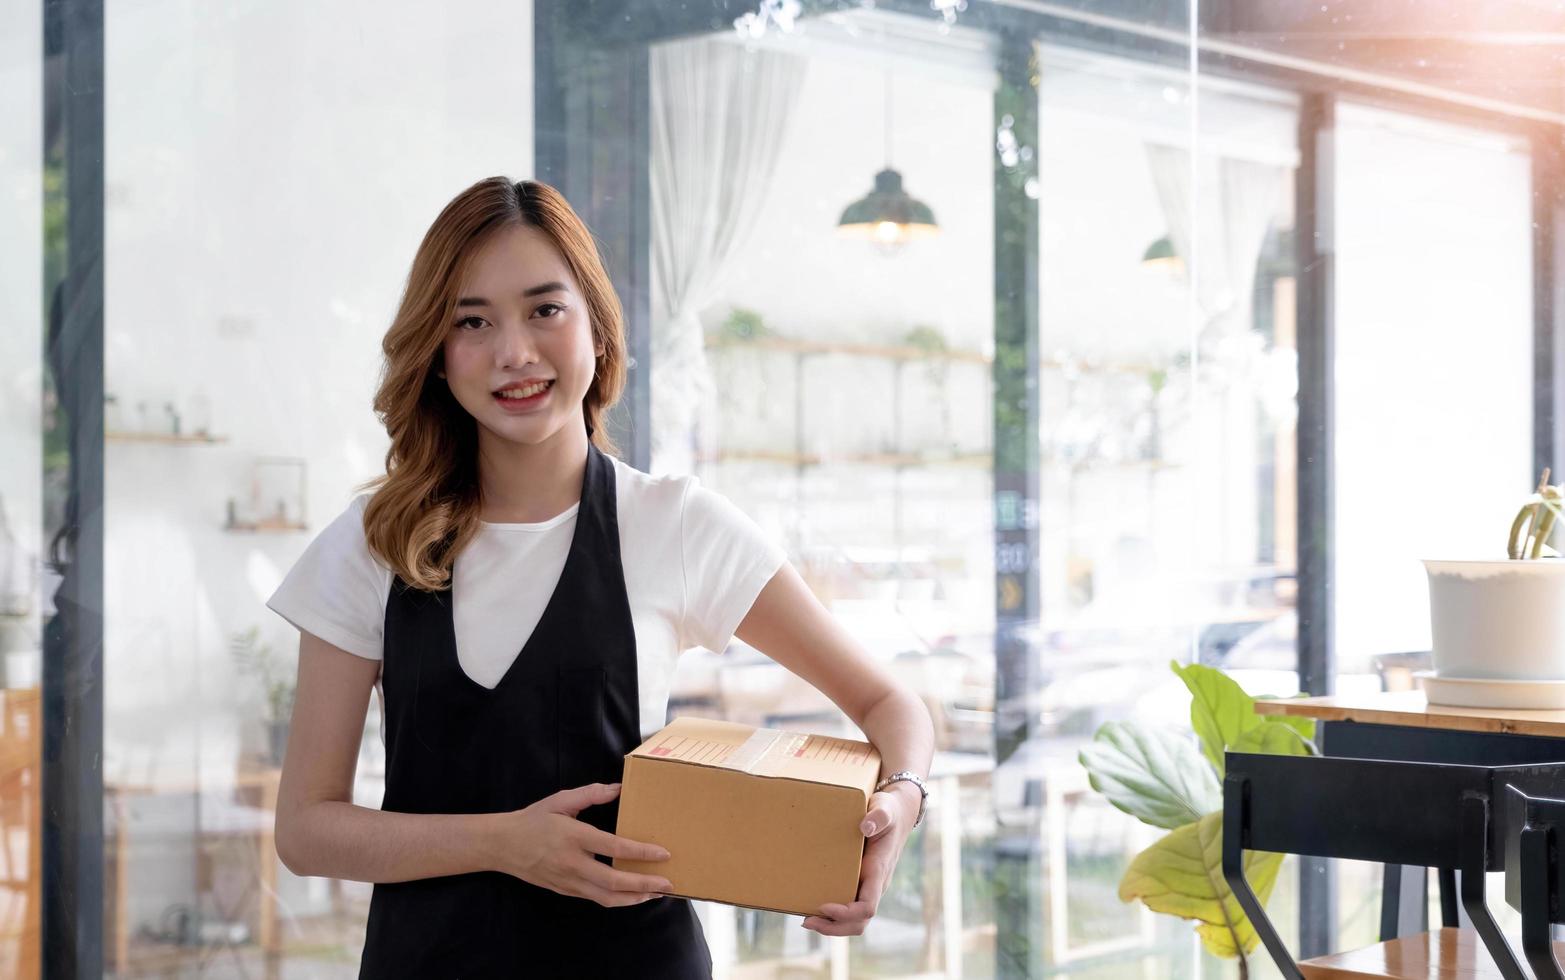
(164, 424)
(256, 660)
(937, 371)
(742, 324)
(1498, 626)
(199, 413)
(927, 339)
(1152, 446)
(276, 501)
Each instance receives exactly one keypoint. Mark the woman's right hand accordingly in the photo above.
(545, 845)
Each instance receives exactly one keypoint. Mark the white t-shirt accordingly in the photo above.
(693, 562)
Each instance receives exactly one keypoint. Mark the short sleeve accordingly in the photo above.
(727, 560)
(337, 590)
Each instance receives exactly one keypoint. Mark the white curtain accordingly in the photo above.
(720, 115)
(1242, 197)
(1238, 200)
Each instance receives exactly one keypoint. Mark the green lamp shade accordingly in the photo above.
(1161, 255)
(888, 215)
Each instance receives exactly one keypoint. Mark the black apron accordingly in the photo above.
(564, 715)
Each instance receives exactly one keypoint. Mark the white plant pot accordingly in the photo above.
(1498, 620)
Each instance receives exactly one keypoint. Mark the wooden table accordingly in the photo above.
(1411, 709)
(1403, 726)
(248, 815)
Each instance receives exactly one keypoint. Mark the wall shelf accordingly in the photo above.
(867, 459)
(790, 345)
(903, 352)
(164, 438)
(265, 527)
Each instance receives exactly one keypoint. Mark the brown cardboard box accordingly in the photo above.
(753, 817)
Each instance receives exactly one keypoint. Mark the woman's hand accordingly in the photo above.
(547, 846)
(887, 825)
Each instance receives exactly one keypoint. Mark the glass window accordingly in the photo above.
(1433, 250)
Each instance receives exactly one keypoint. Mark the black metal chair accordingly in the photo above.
(1412, 813)
(1533, 875)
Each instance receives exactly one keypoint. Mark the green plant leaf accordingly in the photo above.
(1304, 726)
(1220, 711)
(1182, 874)
(1153, 774)
(1274, 737)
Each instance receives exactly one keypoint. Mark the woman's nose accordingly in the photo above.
(516, 346)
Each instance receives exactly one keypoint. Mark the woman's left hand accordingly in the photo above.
(887, 825)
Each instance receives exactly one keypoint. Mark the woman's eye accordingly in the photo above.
(471, 322)
(550, 309)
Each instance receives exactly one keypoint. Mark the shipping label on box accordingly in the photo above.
(756, 817)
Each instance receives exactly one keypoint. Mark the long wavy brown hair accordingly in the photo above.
(425, 509)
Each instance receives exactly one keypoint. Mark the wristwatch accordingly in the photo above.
(908, 776)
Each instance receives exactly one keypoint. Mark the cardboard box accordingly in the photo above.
(755, 817)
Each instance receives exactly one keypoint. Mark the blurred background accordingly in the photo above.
(1176, 331)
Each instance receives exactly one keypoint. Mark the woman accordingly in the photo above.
(519, 598)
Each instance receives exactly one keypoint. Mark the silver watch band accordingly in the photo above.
(908, 776)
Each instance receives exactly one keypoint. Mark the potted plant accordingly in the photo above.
(1498, 626)
(937, 370)
(275, 675)
(1162, 778)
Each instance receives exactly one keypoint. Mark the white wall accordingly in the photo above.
(270, 170)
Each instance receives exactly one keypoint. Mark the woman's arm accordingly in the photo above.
(320, 832)
(790, 625)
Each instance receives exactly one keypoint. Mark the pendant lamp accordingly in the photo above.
(888, 215)
(1161, 255)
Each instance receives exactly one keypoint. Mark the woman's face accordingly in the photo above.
(520, 353)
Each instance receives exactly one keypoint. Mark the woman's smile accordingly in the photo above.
(522, 397)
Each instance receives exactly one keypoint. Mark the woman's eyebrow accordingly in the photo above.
(538, 290)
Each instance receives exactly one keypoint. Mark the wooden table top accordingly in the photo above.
(1411, 709)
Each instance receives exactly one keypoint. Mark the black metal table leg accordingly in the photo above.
(1404, 901)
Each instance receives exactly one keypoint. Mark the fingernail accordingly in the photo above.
(613, 785)
(868, 827)
(667, 886)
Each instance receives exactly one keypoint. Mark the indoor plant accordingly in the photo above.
(1498, 626)
(1163, 779)
(255, 659)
